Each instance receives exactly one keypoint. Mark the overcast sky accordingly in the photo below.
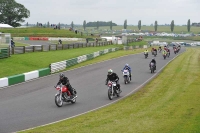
(66, 11)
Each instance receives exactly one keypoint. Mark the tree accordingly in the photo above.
(12, 13)
(97, 24)
(110, 25)
(48, 24)
(101, 23)
(59, 26)
(172, 26)
(72, 25)
(139, 24)
(27, 24)
(188, 25)
(125, 24)
(84, 24)
(156, 25)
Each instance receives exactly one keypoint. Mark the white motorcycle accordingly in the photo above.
(126, 76)
(113, 90)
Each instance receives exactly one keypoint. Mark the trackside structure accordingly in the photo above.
(5, 41)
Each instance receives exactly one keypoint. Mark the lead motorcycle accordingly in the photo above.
(113, 90)
(152, 67)
(126, 76)
(63, 95)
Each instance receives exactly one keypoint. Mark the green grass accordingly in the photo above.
(168, 104)
(17, 64)
(41, 32)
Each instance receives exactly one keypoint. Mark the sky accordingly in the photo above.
(148, 11)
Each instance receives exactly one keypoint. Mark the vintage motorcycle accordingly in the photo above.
(113, 90)
(126, 76)
(145, 55)
(152, 67)
(63, 95)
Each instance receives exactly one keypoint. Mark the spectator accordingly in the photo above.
(12, 43)
(96, 40)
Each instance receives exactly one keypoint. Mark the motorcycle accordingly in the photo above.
(154, 53)
(64, 95)
(168, 54)
(159, 50)
(113, 90)
(145, 55)
(152, 67)
(164, 55)
(175, 51)
(126, 76)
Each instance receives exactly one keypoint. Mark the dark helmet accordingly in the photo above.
(61, 75)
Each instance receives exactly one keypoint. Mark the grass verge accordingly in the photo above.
(169, 104)
(17, 64)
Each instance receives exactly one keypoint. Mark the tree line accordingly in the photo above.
(14, 13)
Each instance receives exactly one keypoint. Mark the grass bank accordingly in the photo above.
(17, 64)
(169, 104)
(42, 32)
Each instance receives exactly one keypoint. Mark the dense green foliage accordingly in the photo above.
(139, 24)
(12, 13)
(100, 23)
(188, 25)
(156, 25)
(125, 24)
(172, 26)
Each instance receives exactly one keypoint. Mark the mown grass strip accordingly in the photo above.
(17, 64)
(169, 104)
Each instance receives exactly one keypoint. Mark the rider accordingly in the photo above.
(146, 52)
(113, 77)
(127, 67)
(164, 52)
(65, 81)
(152, 50)
(159, 48)
(153, 61)
(155, 50)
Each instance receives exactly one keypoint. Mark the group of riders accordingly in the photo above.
(111, 76)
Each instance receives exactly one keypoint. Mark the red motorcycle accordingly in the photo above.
(64, 95)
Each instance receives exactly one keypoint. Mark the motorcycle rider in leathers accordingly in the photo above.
(65, 81)
(113, 77)
(154, 62)
(127, 67)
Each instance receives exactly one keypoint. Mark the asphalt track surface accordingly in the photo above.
(31, 104)
(35, 42)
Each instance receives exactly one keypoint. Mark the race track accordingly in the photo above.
(32, 104)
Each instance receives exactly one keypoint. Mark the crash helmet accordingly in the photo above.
(110, 71)
(61, 75)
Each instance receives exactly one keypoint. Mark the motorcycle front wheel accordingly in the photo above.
(125, 80)
(58, 100)
(110, 95)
